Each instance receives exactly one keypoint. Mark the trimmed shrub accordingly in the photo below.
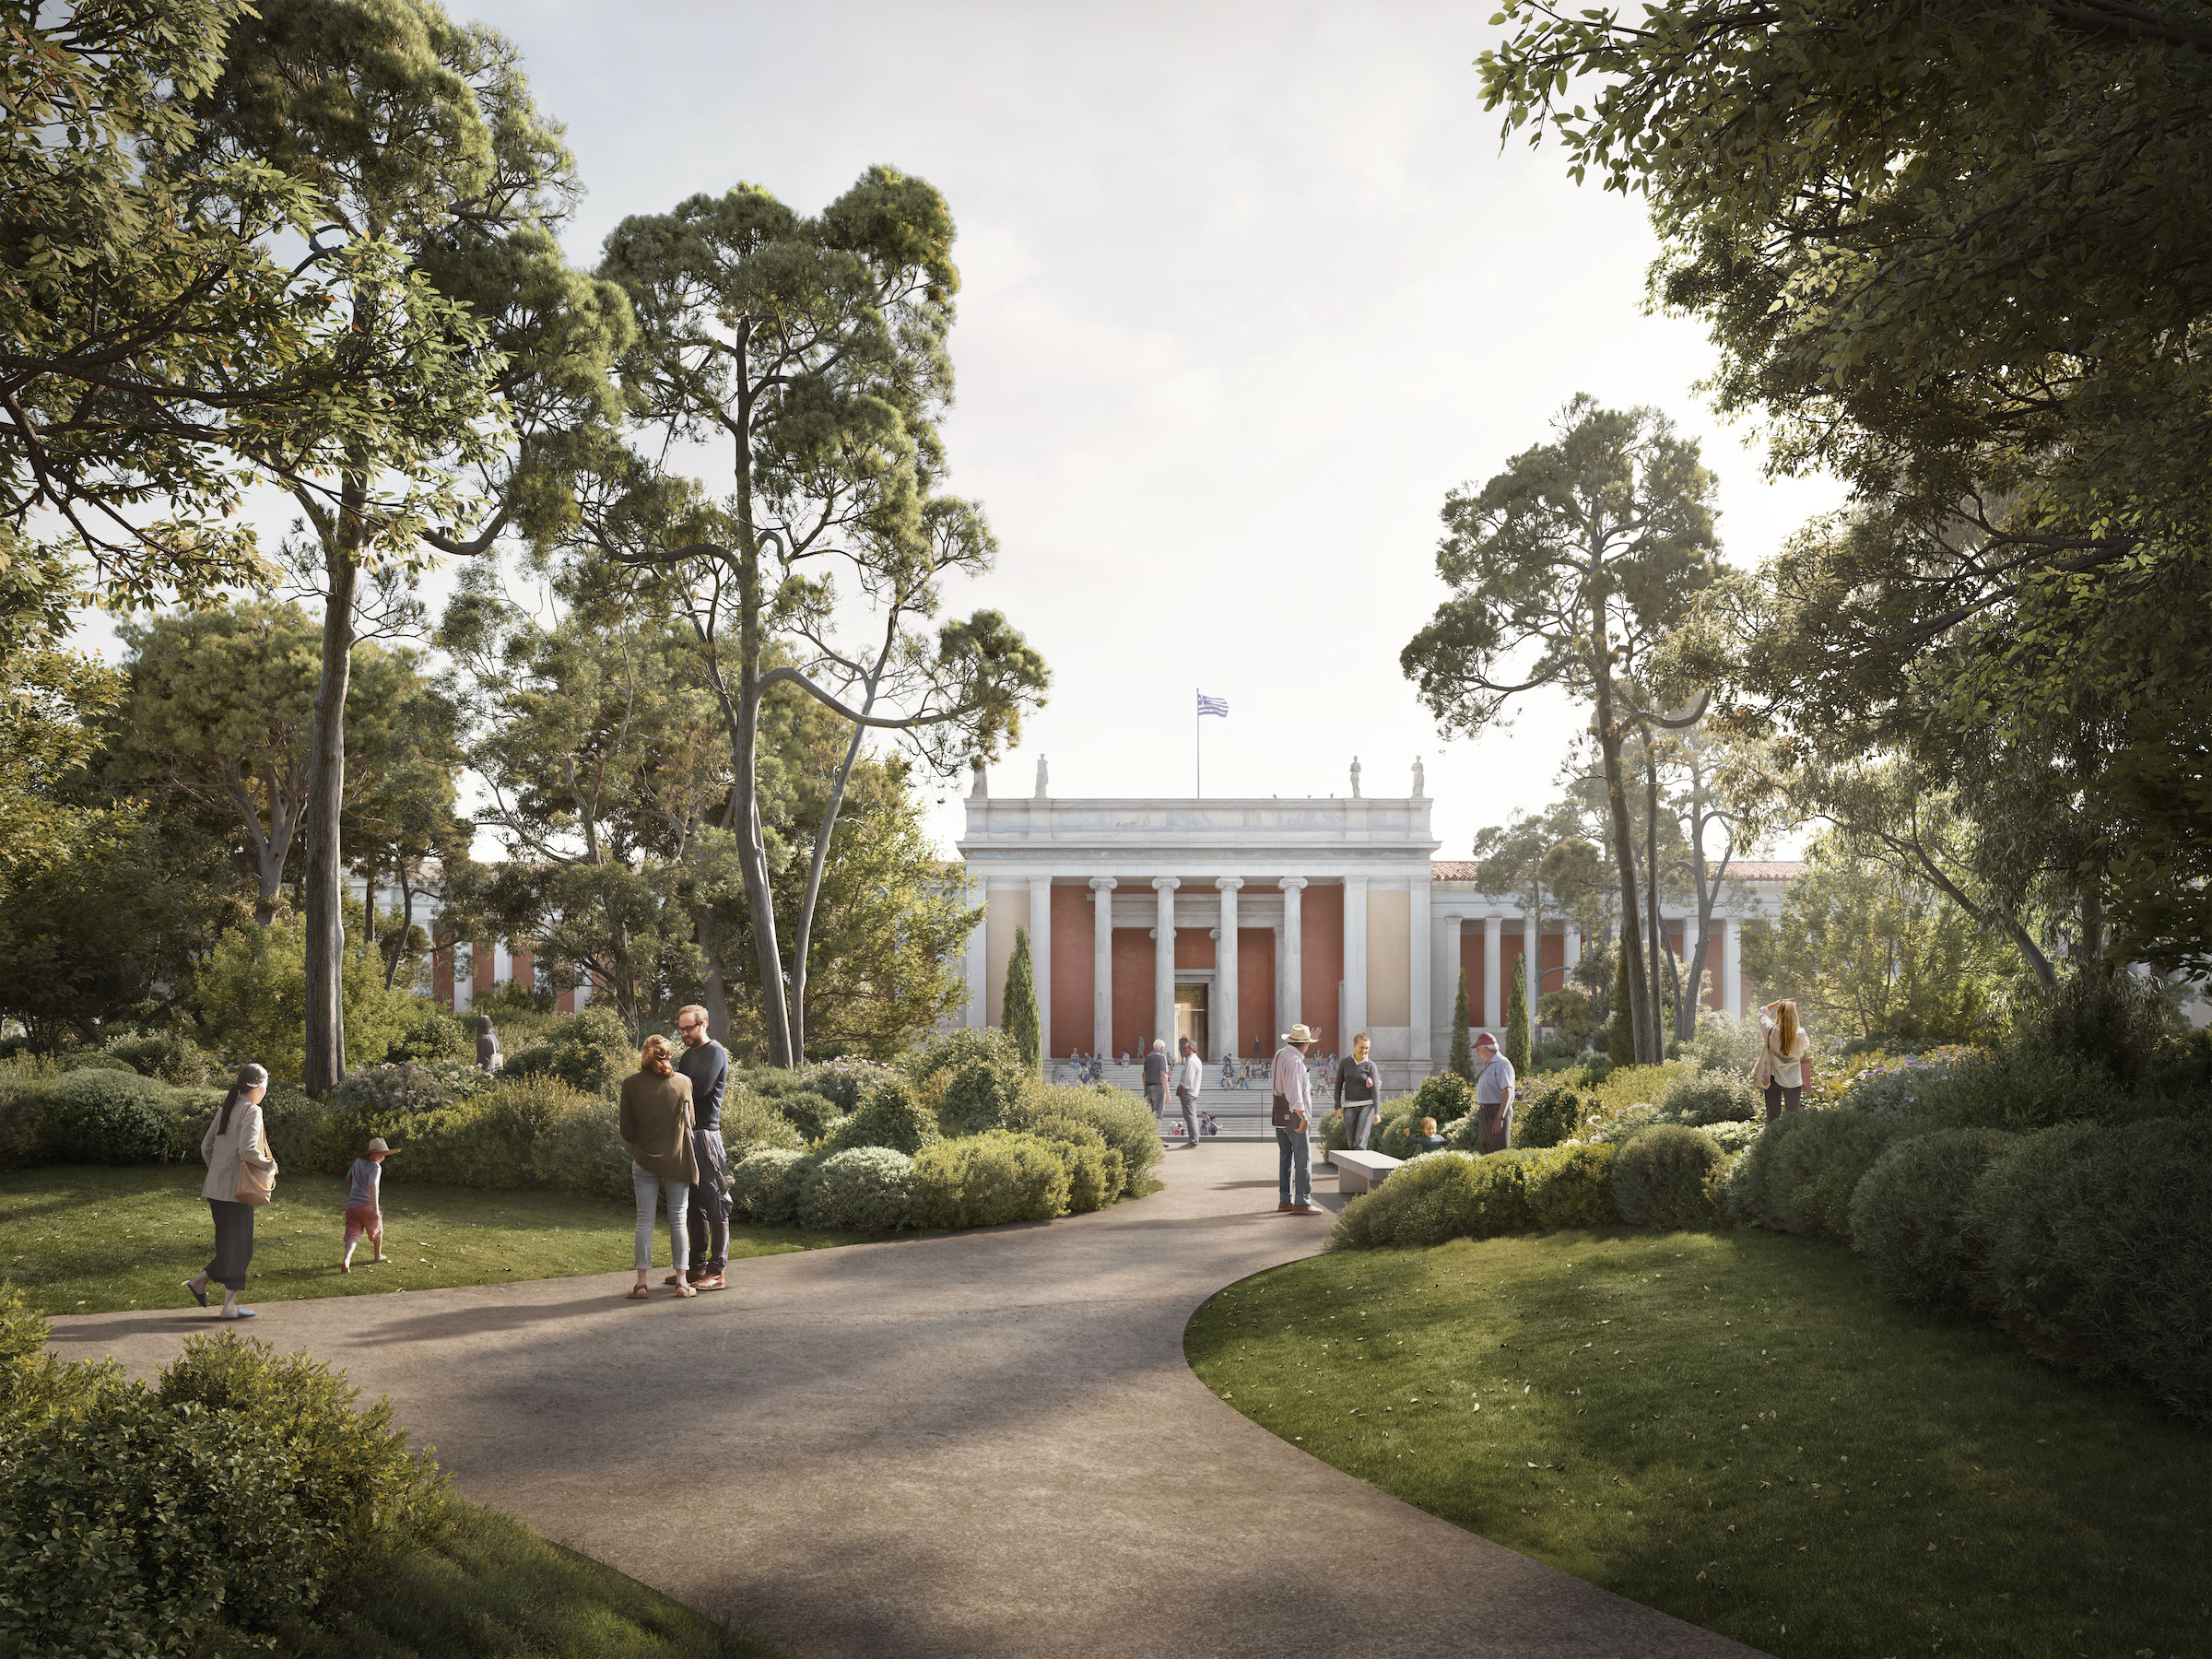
(592, 1051)
(766, 1184)
(1545, 1115)
(749, 1120)
(1439, 1195)
(1123, 1120)
(845, 1083)
(1698, 1097)
(1908, 1214)
(988, 1179)
(577, 1145)
(1446, 1096)
(167, 1056)
(2100, 1251)
(864, 1189)
(1805, 1166)
(532, 1060)
(1571, 1186)
(890, 1117)
(432, 1034)
(108, 1117)
(972, 1079)
(392, 1089)
(1094, 1168)
(294, 1121)
(1660, 1176)
(92, 1059)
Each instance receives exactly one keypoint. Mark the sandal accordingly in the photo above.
(636, 1293)
(686, 1291)
(199, 1295)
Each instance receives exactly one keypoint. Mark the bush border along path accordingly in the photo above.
(983, 1445)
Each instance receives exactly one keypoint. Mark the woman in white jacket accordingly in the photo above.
(1785, 1065)
(235, 1137)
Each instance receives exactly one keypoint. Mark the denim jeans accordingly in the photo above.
(1294, 1162)
(678, 1191)
(1359, 1123)
(1189, 1114)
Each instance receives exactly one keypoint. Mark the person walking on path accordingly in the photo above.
(488, 1045)
(1785, 1063)
(1293, 1117)
(707, 1065)
(654, 1120)
(365, 1202)
(1190, 1078)
(1157, 1067)
(1493, 1095)
(236, 1151)
(1358, 1094)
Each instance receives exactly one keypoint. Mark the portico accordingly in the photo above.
(1229, 921)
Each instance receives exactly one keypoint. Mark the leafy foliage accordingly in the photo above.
(1021, 1021)
(253, 993)
(1908, 1213)
(988, 1179)
(1662, 1176)
(863, 1189)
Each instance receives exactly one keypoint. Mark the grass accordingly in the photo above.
(86, 1238)
(489, 1588)
(1736, 1428)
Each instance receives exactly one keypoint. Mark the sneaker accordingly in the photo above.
(1304, 1209)
(713, 1281)
(1283, 1207)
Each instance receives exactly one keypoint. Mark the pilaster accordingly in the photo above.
(1102, 964)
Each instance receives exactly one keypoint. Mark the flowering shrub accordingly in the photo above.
(410, 1086)
(1894, 1087)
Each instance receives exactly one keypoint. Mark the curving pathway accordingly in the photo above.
(985, 1444)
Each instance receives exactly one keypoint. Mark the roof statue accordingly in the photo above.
(1045, 778)
(1420, 779)
(1355, 777)
(982, 792)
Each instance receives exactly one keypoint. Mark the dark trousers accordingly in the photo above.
(1781, 1099)
(1493, 1126)
(233, 1243)
(707, 1219)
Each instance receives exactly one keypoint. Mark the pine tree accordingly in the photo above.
(1516, 1019)
(1463, 1057)
(1621, 1042)
(1020, 1017)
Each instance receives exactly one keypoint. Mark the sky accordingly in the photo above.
(1246, 290)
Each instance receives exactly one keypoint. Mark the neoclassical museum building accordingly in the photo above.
(1229, 921)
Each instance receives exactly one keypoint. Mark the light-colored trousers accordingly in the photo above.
(678, 1192)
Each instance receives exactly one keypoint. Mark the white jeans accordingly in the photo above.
(678, 1191)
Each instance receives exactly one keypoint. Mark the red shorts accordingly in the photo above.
(363, 1218)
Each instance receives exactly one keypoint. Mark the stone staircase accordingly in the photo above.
(1244, 1113)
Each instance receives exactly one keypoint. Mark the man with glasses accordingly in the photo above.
(707, 1064)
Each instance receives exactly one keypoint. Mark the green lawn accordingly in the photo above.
(84, 1239)
(490, 1588)
(1736, 1428)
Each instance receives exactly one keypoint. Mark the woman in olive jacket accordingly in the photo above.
(656, 1122)
(234, 1137)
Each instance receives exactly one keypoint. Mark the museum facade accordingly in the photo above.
(1229, 921)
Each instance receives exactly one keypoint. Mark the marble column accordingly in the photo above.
(1444, 980)
(1420, 924)
(1354, 965)
(978, 963)
(1289, 1001)
(1731, 967)
(1163, 961)
(1102, 965)
(1532, 957)
(1041, 954)
(1493, 993)
(1224, 1024)
(1571, 953)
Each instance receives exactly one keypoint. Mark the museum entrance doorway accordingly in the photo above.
(1190, 1015)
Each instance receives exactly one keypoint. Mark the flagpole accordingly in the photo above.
(1197, 749)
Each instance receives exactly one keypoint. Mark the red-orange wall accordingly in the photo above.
(1075, 972)
(1194, 947)
(1132, 989)
(1321, 946)
(1256, 991)
(1552, 956)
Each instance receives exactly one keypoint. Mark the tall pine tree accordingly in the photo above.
(1516, 1019)
(1462, 1055)
(1021, 1010)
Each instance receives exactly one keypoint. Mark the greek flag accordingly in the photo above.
(1212, 705)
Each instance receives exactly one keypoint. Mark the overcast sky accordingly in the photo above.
(1246, 288)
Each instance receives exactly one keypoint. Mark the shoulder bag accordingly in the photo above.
(255, 1187)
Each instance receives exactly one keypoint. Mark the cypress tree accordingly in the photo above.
(1461, 1062)
(1516, 1019)
(1621, 1042)
(1020, 1008)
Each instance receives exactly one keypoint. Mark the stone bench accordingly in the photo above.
(1361, 1171)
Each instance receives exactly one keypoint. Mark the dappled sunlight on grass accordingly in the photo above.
(1736, 1428)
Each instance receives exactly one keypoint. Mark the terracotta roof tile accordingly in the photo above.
(1745, 869)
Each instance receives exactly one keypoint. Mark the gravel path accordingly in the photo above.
(980, 1446)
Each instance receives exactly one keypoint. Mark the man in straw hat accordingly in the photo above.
(1293, 1117)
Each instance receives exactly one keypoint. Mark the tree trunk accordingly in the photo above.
(1651, 1042)
(803, 934)
(1624, 854)
(325, 885)
(2092, 924)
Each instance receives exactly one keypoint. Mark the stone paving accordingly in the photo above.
(985, 1445)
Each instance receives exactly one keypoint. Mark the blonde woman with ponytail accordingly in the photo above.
(655, 1125)
(1785, 1063)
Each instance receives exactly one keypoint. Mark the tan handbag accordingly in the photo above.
(255, 1187)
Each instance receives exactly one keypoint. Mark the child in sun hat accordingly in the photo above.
(364, 1201)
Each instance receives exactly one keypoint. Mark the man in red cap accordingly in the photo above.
(1493, 1095)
